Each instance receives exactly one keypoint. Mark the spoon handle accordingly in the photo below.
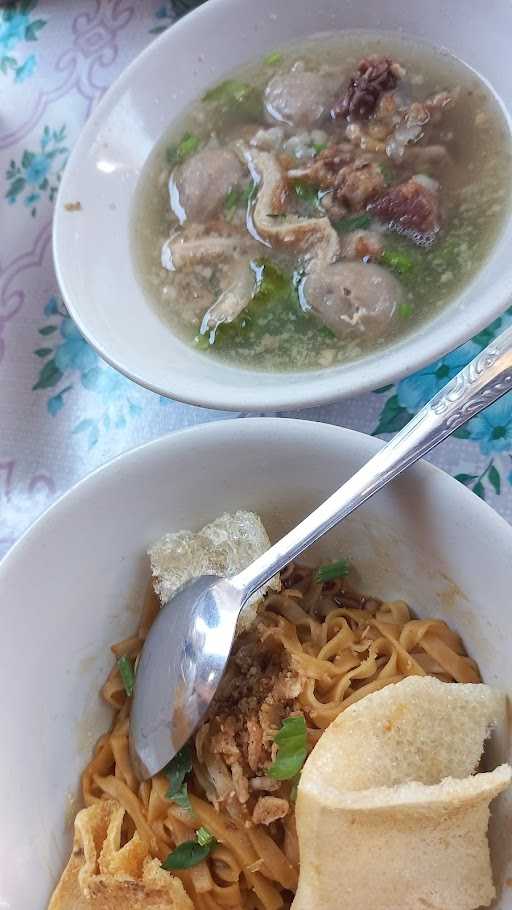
(479, 384)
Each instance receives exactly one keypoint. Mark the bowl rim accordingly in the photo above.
(426, 470)
(310, 388)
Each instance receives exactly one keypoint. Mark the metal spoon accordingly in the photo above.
(185, 653)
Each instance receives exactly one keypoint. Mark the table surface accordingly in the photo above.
(63, 411)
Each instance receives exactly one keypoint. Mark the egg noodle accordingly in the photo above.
(333, 646)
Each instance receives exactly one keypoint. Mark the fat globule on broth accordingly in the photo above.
(322, 202)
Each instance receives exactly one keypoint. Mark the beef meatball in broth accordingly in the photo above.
(353, 298)
(198, 187)
(300, 98)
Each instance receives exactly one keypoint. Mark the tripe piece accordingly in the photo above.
(224, 547)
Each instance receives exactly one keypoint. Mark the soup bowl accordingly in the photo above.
(92, 228)
(74, 584)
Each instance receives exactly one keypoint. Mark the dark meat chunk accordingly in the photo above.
(358, 183)
(352, 183)
(374, 77)
(323, 170)
(410, 208)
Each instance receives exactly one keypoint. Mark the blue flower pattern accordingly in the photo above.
(39, 172)
(16, 28)
(71, 359)
(491, 430)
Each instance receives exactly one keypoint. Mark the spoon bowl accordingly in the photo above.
(183, 660)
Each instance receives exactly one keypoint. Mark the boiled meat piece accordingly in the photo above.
(353, 298)
(199, 186)
(300, 97)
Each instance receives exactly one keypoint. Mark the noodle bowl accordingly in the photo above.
(314, 650)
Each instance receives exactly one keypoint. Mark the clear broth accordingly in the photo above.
(275, 333)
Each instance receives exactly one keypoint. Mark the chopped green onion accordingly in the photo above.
(127, 673)
(188, 144)
(232, 90)
(273, 59)
(205, 838)
(398, 261)
(353, 223)
(405, 310)
(306, 193)
(237, 96)
(232, 199)
(271, 282)
(202, 342)
(177, 770)
(237, 198)
(333, 570)
(294, 789)
(387, 172)
(181, 798)
(319, 147)
(292, 740)
(186, 855)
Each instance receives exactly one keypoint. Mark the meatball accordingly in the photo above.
(199, 186)
(300, 98)
(353, 298)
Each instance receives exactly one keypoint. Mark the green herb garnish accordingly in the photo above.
(177, 770)
(127, 673)
(205, 838)
(319, 147)
(333, 570)
(398, 261)
(387, 172)
(353, 223)
(188, 144)
(405, 310)
(202, 342)
(237, 198)
(273, 59)
(292, 740)
(186, 855)
(232, 90)
(235, 95)
(306, 193)
(271, 282)
(181, 798)
(191, 852)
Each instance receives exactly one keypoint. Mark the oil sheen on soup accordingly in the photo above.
(323, 202)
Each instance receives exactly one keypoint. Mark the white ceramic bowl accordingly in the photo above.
(73, 585)
(92, 246)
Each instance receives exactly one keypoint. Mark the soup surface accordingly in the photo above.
(322, 202)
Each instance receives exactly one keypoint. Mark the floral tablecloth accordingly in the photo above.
(63, 411)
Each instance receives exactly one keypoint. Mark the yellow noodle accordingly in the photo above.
(342, 647)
